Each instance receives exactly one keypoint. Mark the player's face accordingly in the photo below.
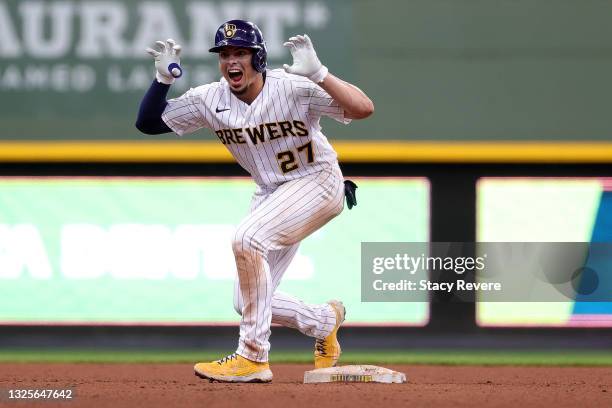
(235, 66)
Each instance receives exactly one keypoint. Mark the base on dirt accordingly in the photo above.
(354, 373)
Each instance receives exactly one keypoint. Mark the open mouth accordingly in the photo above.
(235, 75)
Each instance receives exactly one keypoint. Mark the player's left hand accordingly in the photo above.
(305, 60)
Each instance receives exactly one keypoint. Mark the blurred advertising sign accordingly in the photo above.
(76, 69)
(54, 54)
(553, 212)
(118, 250)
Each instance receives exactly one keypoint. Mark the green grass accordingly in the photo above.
(442, 357)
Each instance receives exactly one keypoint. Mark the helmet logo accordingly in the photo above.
(229, 30)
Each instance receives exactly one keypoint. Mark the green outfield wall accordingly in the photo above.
(436, 69)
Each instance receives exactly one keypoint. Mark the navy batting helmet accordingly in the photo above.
(240, 33)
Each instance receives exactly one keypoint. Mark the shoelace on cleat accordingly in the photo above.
(320, 346)
(227, 358)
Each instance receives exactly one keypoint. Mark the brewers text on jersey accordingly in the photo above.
(272, 131)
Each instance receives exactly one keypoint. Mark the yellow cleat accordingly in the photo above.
(234, 368)
(327, 350)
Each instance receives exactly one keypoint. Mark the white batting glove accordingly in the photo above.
(167, 61)
(305, 60)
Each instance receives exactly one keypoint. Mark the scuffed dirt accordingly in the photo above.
(174, 385)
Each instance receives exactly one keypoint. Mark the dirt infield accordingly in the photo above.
(174, 385)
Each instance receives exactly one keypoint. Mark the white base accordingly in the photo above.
(354, 373)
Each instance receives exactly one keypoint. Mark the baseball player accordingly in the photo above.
(269, 121)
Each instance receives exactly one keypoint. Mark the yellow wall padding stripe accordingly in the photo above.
(476, 152)
(348, 151)
(111, 151)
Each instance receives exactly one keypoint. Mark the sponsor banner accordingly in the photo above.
(79, 68)
(133, 250)
(547, 210)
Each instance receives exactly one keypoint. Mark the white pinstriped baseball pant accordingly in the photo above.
(264, 245)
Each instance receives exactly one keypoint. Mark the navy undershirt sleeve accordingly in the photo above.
(149, 119)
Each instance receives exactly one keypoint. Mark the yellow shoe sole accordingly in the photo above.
(264, 376)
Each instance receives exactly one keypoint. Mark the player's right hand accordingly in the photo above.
(167, 61)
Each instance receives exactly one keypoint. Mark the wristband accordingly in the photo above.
(320, 75)
(162, 79)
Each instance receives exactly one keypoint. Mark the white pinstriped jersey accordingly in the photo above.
(277, 138)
